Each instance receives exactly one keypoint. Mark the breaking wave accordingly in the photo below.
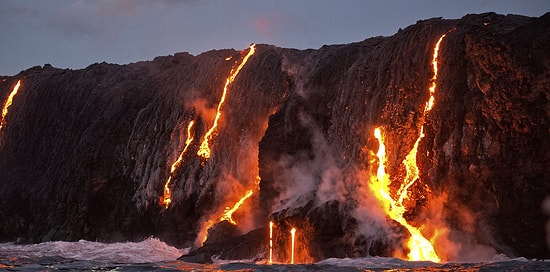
(147, 251)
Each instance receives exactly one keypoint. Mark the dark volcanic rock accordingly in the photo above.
(85, 154)
(251, 245)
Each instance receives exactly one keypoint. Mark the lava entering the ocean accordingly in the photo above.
(419, 247)
(205, 152)
(293, 238)
(270, 242)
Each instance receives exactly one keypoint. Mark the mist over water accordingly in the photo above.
(152, 254)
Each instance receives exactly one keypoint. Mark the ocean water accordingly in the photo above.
(154, 255)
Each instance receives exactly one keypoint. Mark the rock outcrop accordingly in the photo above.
(85, 154)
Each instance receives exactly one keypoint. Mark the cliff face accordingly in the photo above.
(86, 154)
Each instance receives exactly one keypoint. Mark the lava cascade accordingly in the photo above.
(204, 150)
(166, 199)
(94, 141)
(7, 104)
(419, 247)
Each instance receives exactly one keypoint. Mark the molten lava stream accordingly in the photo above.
(7, 104)
(420, 248)
(228, 213)
(204, 150)
(270, 242)
(293, 237)
(166, 199)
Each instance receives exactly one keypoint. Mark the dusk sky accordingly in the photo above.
(76, 33)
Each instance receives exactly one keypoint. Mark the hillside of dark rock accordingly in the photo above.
(86, 154)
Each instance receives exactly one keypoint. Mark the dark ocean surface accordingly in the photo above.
(154, 255)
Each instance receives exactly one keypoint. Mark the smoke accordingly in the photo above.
(452, 244)
(372, 221)
(201, 107)
(310, 174)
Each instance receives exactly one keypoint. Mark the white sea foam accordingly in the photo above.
(149, 250)
(374, 262)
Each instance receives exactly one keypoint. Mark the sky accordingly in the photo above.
(76, 33)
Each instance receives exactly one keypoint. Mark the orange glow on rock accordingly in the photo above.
(270, 242)
(433, 84)
(228, 213)
(204, 150)
(166, 199)
(293, 237)
(419, 247)
(8, 103)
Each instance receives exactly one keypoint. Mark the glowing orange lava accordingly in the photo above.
(166, 200)
(7, 104)
(270, 242)
(419, 247)
(433, 84)
(410, 160)
(204, 150)
(293, 237)
(227, 214)
(229, 211)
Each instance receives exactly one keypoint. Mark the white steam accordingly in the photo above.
(306, 175)
(318, 175)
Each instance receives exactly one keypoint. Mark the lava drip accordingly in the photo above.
(419, 247)
(8, 103)
(293, 238)
(204, 150)
(270, 242)
(166, 199)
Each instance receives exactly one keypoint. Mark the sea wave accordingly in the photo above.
(146, 251)
(153, 254)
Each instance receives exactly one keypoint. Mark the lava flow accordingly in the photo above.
(166, 199)
(204, 150)
(420, 248)
(293, 237)
(7, 104)
(228, 213)
(270, 242)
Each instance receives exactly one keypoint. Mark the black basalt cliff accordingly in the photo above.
(85, 154)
